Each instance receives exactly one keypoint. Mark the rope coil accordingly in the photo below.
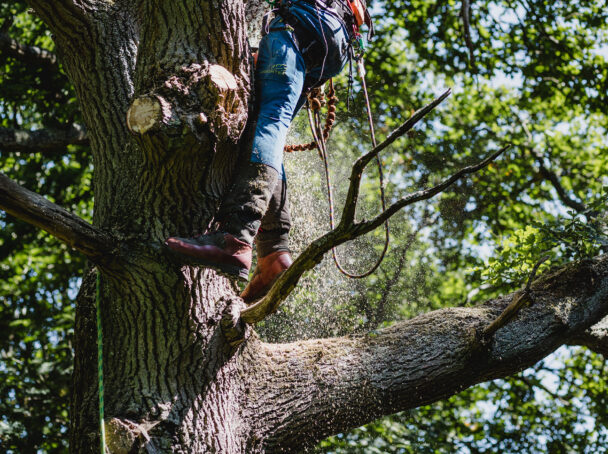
(320, 136)
(316, 99)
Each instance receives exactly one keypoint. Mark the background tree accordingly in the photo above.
(551, 63)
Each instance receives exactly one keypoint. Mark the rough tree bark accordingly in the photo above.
(164, 89)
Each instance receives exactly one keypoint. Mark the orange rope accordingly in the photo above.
(315, 101)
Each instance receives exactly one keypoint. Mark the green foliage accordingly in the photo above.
(539, 82)
(38, 274)
(574, 236)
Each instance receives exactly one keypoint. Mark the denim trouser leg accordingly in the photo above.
(279, 81)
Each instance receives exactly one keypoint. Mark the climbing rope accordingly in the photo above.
(320, 136)
(102, 428)
(316, 99)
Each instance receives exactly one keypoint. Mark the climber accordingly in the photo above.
(307, 42)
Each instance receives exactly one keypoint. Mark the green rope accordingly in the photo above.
(102, 427)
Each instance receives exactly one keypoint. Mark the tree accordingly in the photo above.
(177, 377)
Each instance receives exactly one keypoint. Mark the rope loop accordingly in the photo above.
(320, 144)
(316, 100)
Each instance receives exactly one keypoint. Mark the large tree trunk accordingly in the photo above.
(167, 367)
(164, 89)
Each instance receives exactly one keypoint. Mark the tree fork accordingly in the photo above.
(325, 386)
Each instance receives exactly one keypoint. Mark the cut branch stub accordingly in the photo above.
(147, 114)
(195, 96)
(225, 118)
(222, 78)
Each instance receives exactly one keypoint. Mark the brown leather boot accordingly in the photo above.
(267, 271)
(229, 249)
(219, 250)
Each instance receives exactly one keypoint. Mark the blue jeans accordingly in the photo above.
(283, 77)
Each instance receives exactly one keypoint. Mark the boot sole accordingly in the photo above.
(229, 271)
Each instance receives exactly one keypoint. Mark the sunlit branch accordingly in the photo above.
(42, 140)
(519, 299)
(67, 227)
(313, 254)
(350, 205)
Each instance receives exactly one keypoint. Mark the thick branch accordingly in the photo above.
(42, 140)
(32, 55)
(595, 338)
(69, 228)
(308, 390)
(67, 19)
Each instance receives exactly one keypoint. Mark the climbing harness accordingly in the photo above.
(102, 428)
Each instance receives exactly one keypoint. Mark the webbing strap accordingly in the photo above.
(102, 428)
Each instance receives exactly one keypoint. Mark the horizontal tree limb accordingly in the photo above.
(31, 55)
(327, 386)
(595, 338)
(41, 140)
(67, 227)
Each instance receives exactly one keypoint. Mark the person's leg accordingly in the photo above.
(272, 240)
(276, 223)
(272, 245)
(279, 80)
